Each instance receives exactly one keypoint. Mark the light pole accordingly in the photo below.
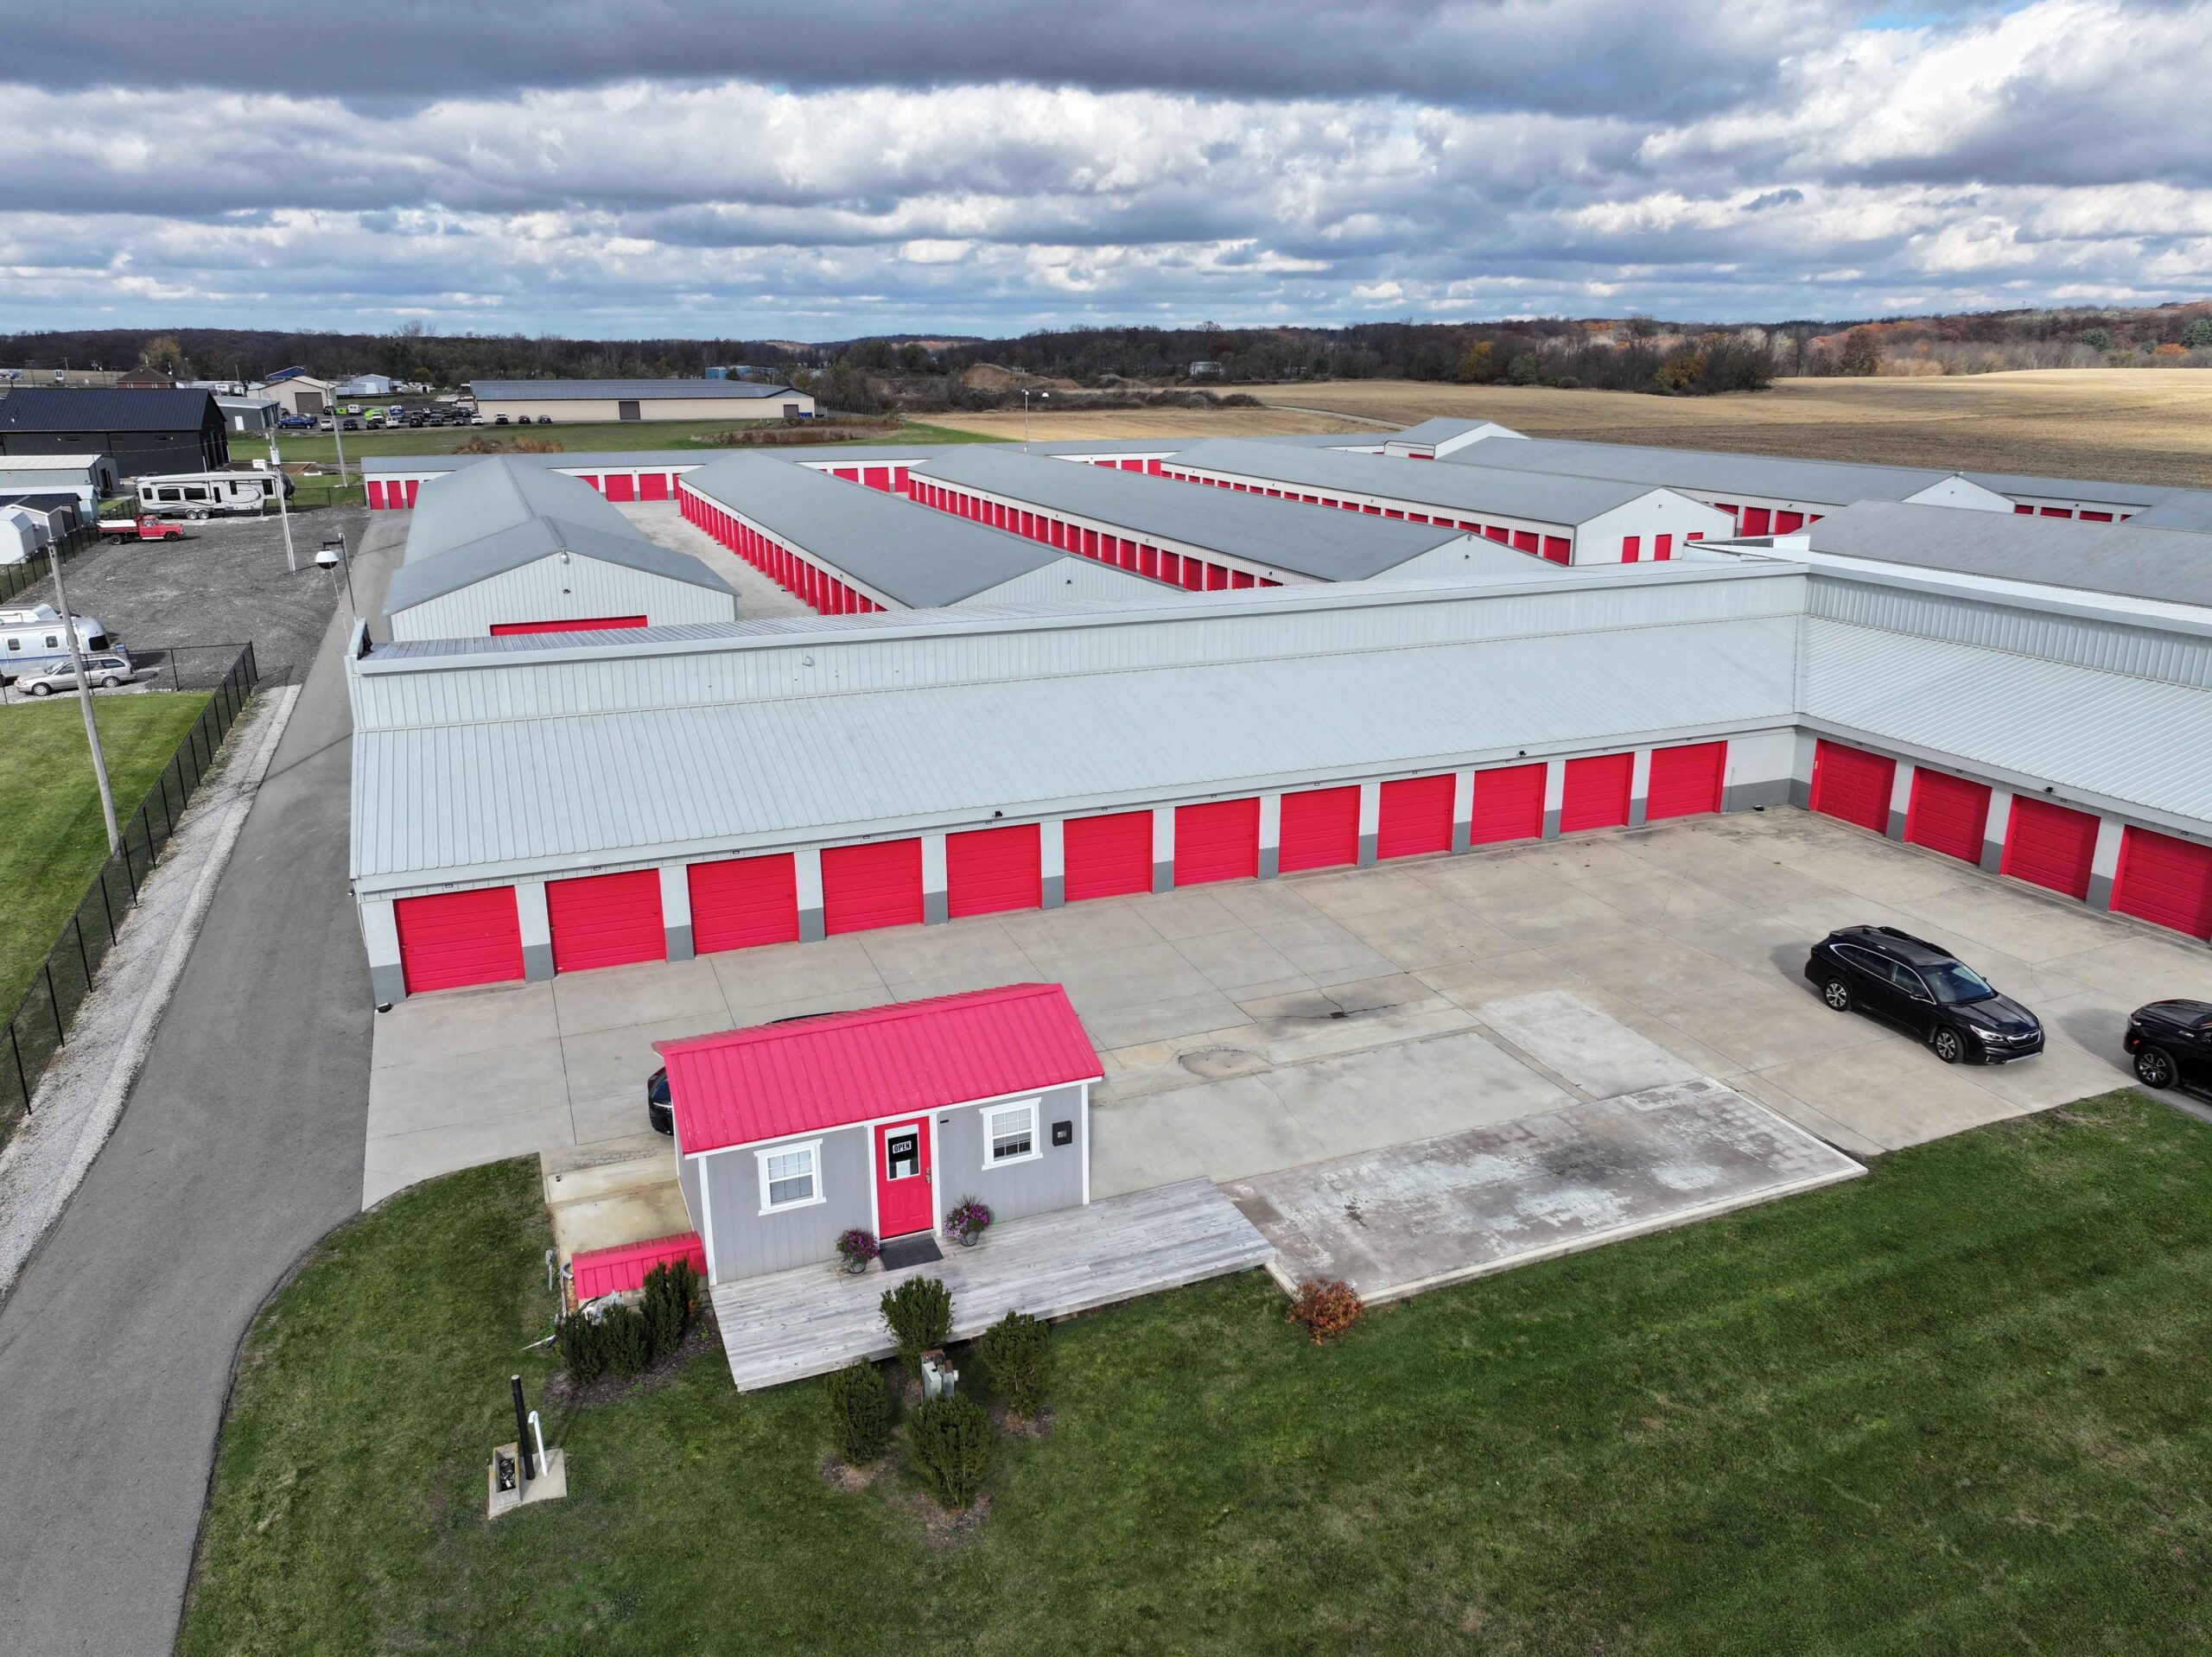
(84, 696)
(283, 505)
(338, 436)
(1042, 397)
(332, 556)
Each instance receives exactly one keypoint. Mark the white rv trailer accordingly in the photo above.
(31, 639)
(205, 494)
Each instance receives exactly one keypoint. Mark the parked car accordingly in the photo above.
(2171, 1042)
(296, 423)
(352, 424)
(658, 1111)
(107, 669)
(1924, 988)
(376, 422)
(498, 420)
(144, 527)
(324, 422)
(545, 420)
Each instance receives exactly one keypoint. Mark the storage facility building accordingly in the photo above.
(1201, 541)
(850, 551)
(1431, 440)
(498, 549)
(146, 433)
(1565, 519)
(567, 400)
(90, 478)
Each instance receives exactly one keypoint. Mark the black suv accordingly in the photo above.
(659, 1111)
(2171, 1042)
(1925, 988)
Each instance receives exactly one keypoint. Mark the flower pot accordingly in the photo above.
(967, 1241)
(854, 1268)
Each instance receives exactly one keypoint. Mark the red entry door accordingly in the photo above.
(902, 1179)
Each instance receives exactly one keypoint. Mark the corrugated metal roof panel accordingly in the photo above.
(2184, 509)
(1284, 535)
(1531, 496)
(499, 494)
(777, 1080)
(1834, 483)
(97, 408)
(454, 801)
(560, 391)
(421, 580)
(2133, 741)
(2122, 560)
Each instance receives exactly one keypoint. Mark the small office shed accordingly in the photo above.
(849, 550)
(789, 1134)
(1200, 540)
(1568, 520)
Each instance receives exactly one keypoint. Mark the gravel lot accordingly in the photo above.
(224, 583)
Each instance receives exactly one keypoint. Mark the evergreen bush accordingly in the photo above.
(918, 1314)
(950, 1438)
(860, 1414)
(1018, 1352)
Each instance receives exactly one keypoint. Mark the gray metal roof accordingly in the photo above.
(497, 797)
(2119, 560)
(559, 391)
(1531, 497)
(497, 494)
(910, 554)
(1829, 483)
(420, 580)
(1279, 534)
(585, 459)
(2050, 722)
(2184, 509)
(97, 408)
(2101, 489)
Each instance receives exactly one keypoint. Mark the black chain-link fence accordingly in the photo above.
(42, 1020)
(18, 579)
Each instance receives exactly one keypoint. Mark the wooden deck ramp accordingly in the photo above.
(792, 1324)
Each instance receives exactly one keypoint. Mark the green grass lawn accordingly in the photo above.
(1960, 1405)
(51, 842)
(581, 438)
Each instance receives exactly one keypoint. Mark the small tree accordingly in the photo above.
(1861, 353)
(629, 1341)
(2097, 339)
(1017, 1350)
(918, 1314)
(582, 1352)
(670, 1299)
(860, 1414)
(2198, 336)
(1525, 369)
(951, 1442)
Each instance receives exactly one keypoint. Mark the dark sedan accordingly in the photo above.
(1925, 989)
(2171, 1042)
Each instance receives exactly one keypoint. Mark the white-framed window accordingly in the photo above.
(791, 1176)
(1010, 1134)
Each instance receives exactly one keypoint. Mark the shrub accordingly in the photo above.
(1017, 1352)
(580, 1347)
(629, 1340)
(1324, 1307)
(860, 1414)
(918, 1314)
(951, 1441)
(671, 1299)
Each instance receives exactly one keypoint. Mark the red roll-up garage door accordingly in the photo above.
(1853, 784)
(868, 886)
(1321, 829)
(583, 625)
(2050, 845)
(1106, 857)
(606, 920)
(1416, 817)
(1685, 781)
(993, 869)
(459, 937)
(1220, 842)
(1948, 814)
(742, 902)
(2165, 881)
(1597, 791)
(620, 486)
(1509, 805)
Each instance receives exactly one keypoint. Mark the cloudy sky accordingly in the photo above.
(619, 167)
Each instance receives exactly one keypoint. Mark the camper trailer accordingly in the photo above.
(206, 494)
(31, 639)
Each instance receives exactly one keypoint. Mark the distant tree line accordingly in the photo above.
(2164, 336)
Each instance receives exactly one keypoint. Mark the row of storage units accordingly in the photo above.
(2124, 866)
(1763, 520)
(1557, 548)
(453, 939)
(2022, 509)
(1183, 569)
(806, 580)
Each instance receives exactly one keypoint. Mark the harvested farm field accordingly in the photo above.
(1081, 426)
(2140, 425)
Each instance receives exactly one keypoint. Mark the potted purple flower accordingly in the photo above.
(856, 1248)
(968, 1220)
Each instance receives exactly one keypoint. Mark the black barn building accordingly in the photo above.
(148, 432)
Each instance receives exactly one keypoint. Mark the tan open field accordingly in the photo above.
(2144, 425)
(1142, 423)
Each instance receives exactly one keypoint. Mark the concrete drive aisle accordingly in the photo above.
(240, 1148)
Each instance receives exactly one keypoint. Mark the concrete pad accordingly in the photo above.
(1469, 984)
(1264, 902)
(448, 1093)
(1644, 894)
(1160, 1021)
(746, 1014)
(1765, 1026)
(580, 1174)
(975, 953)
(1295, 1037)
(1869, 865)
(1432, 933)
(1547, 912)
(613, 1064)
(2135, 966)
(1236, 960)
(2004, 914)
(1320, 944)
(1132, 977)
(631, 1214)
(789, 972)
(1582, 859)
(1779, 1100)
(1598, 1054)
(426, 1028)
(1893, 1093)
(1416, 1216)
(612, 997)
(396, 1161)
(1079, 929)
(1189, 913)
(1342, 893)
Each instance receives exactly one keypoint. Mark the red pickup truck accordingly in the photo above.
(144, 527)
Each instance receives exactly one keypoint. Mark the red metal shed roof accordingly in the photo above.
(779, 1079)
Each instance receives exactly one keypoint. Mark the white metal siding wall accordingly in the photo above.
(1067, 579)
(1960, 491)
(736, 411)
(549, 590)
(867, 659)
(1661, 512)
